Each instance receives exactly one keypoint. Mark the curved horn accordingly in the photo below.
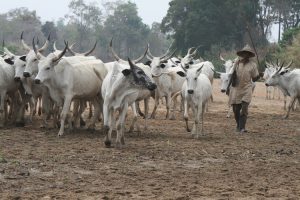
(289, 64)
(199, 69)
(90, 51)
(8, 52)
(170, 56)
(61, 54)
(113, 52)
(221, 57)
(71, 51)
(168, 51)
(149, 54)
(54, 46)
(23, 42)
(44, 47)
(190, 49)
(142, 56)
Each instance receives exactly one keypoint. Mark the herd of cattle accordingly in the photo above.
(50, 85)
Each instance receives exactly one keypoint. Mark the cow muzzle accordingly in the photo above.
(152, 87)
(191, 91)
(267, 84)
(17, 79)
(223, 90)
(26, 74)
(37, 81)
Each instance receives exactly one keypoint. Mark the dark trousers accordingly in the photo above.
(240, 114)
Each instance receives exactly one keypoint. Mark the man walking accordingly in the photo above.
(245, 73)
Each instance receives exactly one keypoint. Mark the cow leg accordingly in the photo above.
(107, 127)
(284, 102)
(168, 104)
(120, 140)
(134, 120)
(196, 113)
(186, 116)
(174, 108)
(63, 115)
(155, 105)
(2, 114)
(146, 107)
(293, 99)
(137, 104)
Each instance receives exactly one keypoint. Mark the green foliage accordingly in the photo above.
(288, 36)
(209, 22)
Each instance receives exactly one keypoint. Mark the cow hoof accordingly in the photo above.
(60, 134)
(107, 144)
(20, 124)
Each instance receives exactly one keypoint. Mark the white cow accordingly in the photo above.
(145, 94)
(7, 87)
(69, 78)
(270, 69)
(120, 89)
(288, 81)
(168, 83)
(196, 91)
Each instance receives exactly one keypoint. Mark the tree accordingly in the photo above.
(86, 18)
(128, 30)
(209, 22)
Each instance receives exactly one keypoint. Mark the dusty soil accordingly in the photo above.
(164, 162)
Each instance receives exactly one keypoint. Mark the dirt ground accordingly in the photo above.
(164, 162)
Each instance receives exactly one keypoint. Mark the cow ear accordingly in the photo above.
(148, 62)
(126, 72)
(181, 73)
(9, 61)
(23, 58)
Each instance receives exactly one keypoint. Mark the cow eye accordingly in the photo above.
(191, 62)
(48, 68)
(140, 72)
(162, 65)
(35, 60)
(24, 65)
(195, 78)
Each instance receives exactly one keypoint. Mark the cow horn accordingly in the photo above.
(62, 53)
(90, 51)
(112, 51)
(142, 56)
(221, 57)
(190, 49)
(199, 69)
(149, 54)
(23, 42)
(44, 47)
(168, 51)
(289, 64)
(54, 46)
(170, 56)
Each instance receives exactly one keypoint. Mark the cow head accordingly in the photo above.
(188, 59)
(191, 78)
(275, 78)
(138, 77)
(228, 64)
(46, 66)
(158, 64)
(33, 57)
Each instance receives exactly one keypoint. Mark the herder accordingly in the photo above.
(245, 73)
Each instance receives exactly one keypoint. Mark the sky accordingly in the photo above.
(51, 10)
